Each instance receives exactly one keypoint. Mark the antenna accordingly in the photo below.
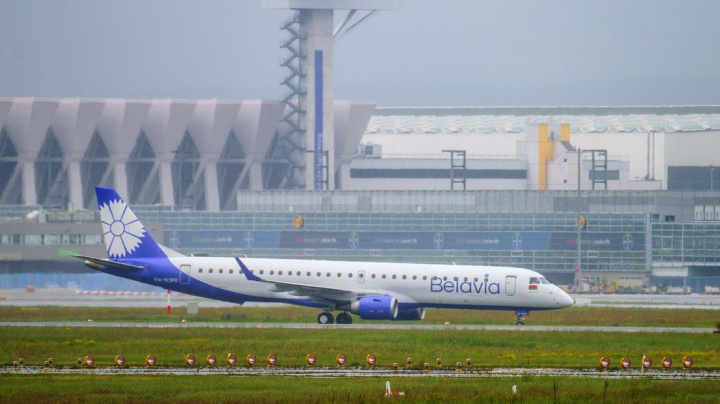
(308, 122)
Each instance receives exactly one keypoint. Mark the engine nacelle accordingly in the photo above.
(375, 307)
(411, 314)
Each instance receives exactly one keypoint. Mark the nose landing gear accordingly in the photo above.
(520, 316)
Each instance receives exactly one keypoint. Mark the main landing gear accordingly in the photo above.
(327, 318)
(343, 318)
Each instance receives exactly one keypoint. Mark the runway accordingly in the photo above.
(63, 297)
(389, 326)
(158, 298)
(69, 297)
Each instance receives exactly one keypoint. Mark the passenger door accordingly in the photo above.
(185, 274)
(510, 282)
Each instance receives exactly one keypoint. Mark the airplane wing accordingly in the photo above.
(316, 293)
(98, 263)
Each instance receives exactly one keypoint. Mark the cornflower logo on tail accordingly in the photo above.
(122, 230)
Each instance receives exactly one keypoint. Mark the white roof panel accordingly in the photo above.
(513, 119)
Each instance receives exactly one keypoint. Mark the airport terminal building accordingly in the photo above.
(480, 186)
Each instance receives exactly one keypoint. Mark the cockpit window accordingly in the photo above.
(543, 280)
(534, 281)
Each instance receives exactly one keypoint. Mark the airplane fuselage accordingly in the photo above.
(379, 291)
(413, 285)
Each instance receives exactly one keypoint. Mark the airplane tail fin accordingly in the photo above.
(125, 236)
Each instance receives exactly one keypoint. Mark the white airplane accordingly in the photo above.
(372, 290)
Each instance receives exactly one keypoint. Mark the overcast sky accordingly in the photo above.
(428, 53)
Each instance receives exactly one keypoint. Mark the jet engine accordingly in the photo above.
(417, 313)
(375, 307)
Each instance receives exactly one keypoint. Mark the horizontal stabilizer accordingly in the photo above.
(99, 263)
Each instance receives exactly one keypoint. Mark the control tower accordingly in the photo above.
(306, 136)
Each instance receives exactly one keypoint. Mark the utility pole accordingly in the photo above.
(577, 224)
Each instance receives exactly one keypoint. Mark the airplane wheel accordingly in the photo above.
(343, 318)
(519, 322)
(325, 318)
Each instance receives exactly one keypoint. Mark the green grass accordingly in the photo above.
(241, 389)
(486, 348)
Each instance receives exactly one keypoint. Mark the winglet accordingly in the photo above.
(249, 275)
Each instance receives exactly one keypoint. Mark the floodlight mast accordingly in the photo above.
(599, 175)
(576, 283)
(309, 118)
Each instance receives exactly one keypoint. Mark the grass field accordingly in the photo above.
(486, 349)
(232, 389)
(574, 316)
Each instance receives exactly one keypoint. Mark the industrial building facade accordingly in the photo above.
(199, 174)
(657, 239)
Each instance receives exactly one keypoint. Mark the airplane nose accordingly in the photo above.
(566, 300)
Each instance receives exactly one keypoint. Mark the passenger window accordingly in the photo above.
(475, 279)
(350, 275)
(339, 274)
(262, 271)
(298, 273)
(308, 273)
(220, 270)
(200, 270)
(231, 271)
(210, 270)
(424, 277)
(384, 276)
(414, 277)
(404, 276)
(394, 276)
(373, 276)
(279, 272)
(465, 279)
(328, 274)
(455, 278)
(444, 278)
(272, 272)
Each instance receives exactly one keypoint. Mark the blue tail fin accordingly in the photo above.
(125, 236)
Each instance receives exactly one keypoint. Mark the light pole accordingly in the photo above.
(581, 221)
(577, 224)
(712, 169)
